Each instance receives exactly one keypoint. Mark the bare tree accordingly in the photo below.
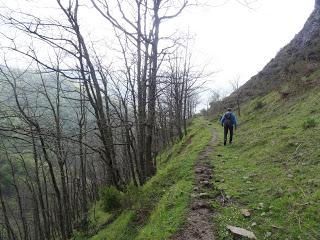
(82, 121)
(235, 83)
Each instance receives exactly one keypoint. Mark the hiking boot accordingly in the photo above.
(225, 142)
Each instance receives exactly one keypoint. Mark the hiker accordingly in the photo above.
(228, 121)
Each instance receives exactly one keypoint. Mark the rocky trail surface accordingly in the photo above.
(200, 217)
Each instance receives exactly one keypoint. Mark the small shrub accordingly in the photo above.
(285, 91)
(132, 196)
(309, 123)
(312, 111)
(81, 227)
(284, 95)
(111, 198)
(259, 105)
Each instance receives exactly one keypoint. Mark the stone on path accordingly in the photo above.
(241, 232)
(203, 195)
(245, 212)
(199, 205)
(205, 183)
(268, 234)
(198, 170)
(199, 220)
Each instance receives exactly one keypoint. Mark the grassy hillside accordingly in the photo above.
(272, 169)
(158, 209)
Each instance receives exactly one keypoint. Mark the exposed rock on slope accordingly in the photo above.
(301, 57)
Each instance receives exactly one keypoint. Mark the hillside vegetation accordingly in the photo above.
(272, 169)
(89, 131)
(82, 112)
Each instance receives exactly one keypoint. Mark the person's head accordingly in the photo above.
(229, 109)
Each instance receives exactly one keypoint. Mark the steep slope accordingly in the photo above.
(158, 209)
(272, 169)
(287, 71)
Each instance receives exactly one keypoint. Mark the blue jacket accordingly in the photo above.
(233, 119)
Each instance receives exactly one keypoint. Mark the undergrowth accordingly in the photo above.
(159, 209)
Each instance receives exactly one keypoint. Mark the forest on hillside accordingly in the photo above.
(78, 114)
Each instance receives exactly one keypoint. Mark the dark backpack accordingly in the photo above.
(228, 119)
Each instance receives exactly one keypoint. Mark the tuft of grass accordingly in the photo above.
(120, 229)
(272, 169)
(111, 198)
(309, 123)
(259, 105)
(169, 213)
(97, 215)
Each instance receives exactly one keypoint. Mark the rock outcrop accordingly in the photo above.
(301, 57)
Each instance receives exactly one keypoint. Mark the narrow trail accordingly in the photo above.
(199, 220)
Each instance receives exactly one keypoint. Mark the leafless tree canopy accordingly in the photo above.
(235, 84)
(77, 113)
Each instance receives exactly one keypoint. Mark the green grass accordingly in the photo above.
(160, 208)
(272, 169)
(97, 215)
(169, 213)
(121, 228)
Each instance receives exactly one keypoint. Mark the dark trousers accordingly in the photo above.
(226, 129)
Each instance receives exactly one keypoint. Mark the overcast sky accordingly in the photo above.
(232, 39)
(241, 41)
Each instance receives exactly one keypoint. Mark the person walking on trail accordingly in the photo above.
(228, 121)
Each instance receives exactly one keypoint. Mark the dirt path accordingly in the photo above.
(199, 220)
